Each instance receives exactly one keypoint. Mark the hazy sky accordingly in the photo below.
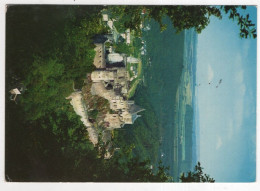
(227, 113)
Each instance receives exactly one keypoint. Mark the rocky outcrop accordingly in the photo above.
(81, 110)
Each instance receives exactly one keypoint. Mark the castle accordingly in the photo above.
(111, 81)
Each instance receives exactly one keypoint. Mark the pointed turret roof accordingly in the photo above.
(133, 109)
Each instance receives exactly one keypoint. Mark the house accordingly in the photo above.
(17, 89)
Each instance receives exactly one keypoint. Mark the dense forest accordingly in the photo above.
(144, 134)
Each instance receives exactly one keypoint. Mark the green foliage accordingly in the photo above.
(46, 88)
(123, 48)
(131, 169)
(93, 114)
(49, 78)
(247, 28)
(108, 44)
(45, 149)
(183, 17)
(126, 16)
(137, 44)
(78, 83)
(196, 176)
(119, 25)
(144, 133)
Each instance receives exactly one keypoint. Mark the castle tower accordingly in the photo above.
(130, 115)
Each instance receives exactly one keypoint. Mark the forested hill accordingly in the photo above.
(47, 48)
(46, 51)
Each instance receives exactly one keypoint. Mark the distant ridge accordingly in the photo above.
(195, 127)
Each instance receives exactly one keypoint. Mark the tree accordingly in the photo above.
(247, 28)
(184, 17)
(124, 167)
(196, 176)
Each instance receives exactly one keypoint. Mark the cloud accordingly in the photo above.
(219, 142)
(210, 73)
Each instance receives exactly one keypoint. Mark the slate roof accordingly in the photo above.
(133, 108)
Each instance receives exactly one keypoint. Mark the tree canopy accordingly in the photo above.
(196, 176)
(184, 17)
